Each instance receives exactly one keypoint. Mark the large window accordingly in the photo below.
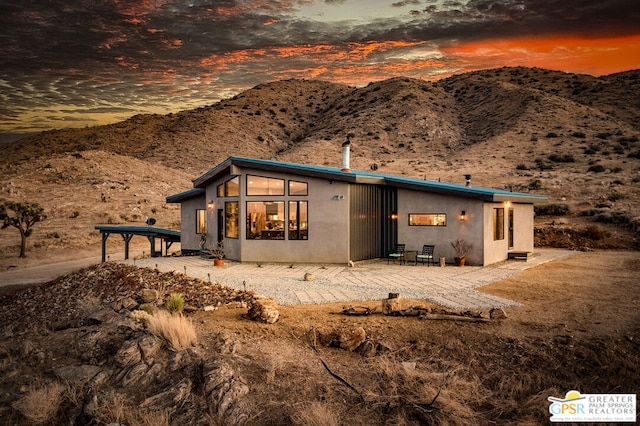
(427, 219)
(201, 221)
(231, 219)
(498, 224)
(298, 229)
(265, 220)
(258, 185)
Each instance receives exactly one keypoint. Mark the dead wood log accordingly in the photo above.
(358, 311)
(452, 318)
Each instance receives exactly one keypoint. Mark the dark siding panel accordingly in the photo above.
(372, 233)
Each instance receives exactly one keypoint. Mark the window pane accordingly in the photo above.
(498, 224)
(258, 185)
(201, 222)
(427, 219)
(232, 187)
(297, 188)
(265, 220)
(298, 226)
(221, 190)
(231, 219)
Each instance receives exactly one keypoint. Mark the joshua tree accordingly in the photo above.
(21, 216)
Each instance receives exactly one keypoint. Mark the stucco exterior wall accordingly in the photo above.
(498, 250)
(471, 230)
(189, 240)
(327, 222)
(523, 227)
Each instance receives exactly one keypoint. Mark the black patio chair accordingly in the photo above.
(398, 254)
(427, 254)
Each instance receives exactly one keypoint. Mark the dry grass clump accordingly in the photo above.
(175, 329)
(41, 403)
(316, 413)
(115, 408)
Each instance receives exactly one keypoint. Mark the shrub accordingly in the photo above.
(603, 135)
(551, 209)
(175, 302)
(535, 184)
(580, 135)
(594, 232)
(522, 167)
(559, 158)
(174, 329)
(598, 168)
(615, 196)
(551, 135)
(40, 404)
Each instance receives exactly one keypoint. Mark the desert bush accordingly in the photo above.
(174, 329)
(543, 165)
(580, 135)
(175, 302)
(615, 196)
(551, 209)
(594, 232)
(551, 135)
(534, 185)
(603, 135)
(561, 158)
(522, 167)
(597, 168)
(40, 404)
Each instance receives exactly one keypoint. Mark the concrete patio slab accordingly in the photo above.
(451, 286)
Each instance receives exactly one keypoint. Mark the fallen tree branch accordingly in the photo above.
(452, 318)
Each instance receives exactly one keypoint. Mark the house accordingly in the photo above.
(271, 211)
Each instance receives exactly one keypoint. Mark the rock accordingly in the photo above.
(497, 313)
(128, 354)
(348, 338)
(134, 374)
(126, 303)
(223, 389)
(367, 349)
(90, 346)
(149, 345)
(148, 295)
(210, 308)
(103, 316)
(309, 276)
(78, 375)
(392, 304)
(170, 397)
(264, 310)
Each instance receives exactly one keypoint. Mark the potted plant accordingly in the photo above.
(462, 248)
(216, 253)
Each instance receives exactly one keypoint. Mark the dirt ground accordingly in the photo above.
(578, 328)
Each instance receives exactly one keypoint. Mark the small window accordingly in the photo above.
(220, 190)
(201, 221)
(298, 225)
(427, 219)
(231, 187)
(297, 188)
(498, 224)
(231, 220)
(258, 185)
(265, 220)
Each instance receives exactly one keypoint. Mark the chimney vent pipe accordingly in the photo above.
(468, 179)
(346, 153)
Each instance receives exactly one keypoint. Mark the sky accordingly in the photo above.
(79, 63)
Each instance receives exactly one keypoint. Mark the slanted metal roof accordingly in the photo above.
(177, 198)
(357, 176)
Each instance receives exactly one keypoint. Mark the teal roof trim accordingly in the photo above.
(360, 176)
(177, 198)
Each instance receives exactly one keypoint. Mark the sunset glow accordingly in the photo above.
(64, 64)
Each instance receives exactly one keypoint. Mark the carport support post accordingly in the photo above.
(105, 235)
(126, 238)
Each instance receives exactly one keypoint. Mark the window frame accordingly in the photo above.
(269, 188)
(227, 192)
(306, 188)
(228, 218)
(299, 233)
(498, 223)
(201, 222)
(273, 232)
(436, 215)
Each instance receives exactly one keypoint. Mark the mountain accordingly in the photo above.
(574, 138)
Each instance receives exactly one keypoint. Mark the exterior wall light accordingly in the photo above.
(463, 216)
(211, 205)
(507, 203)
(394, 216)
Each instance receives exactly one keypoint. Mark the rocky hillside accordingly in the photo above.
(572, 137)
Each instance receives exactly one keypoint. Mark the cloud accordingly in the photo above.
(163, 55)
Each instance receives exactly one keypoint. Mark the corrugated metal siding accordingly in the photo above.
(372, 232)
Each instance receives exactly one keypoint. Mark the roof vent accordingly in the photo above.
(468, 179)
(346, 152)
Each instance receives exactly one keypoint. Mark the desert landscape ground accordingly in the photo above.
(573, 138)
